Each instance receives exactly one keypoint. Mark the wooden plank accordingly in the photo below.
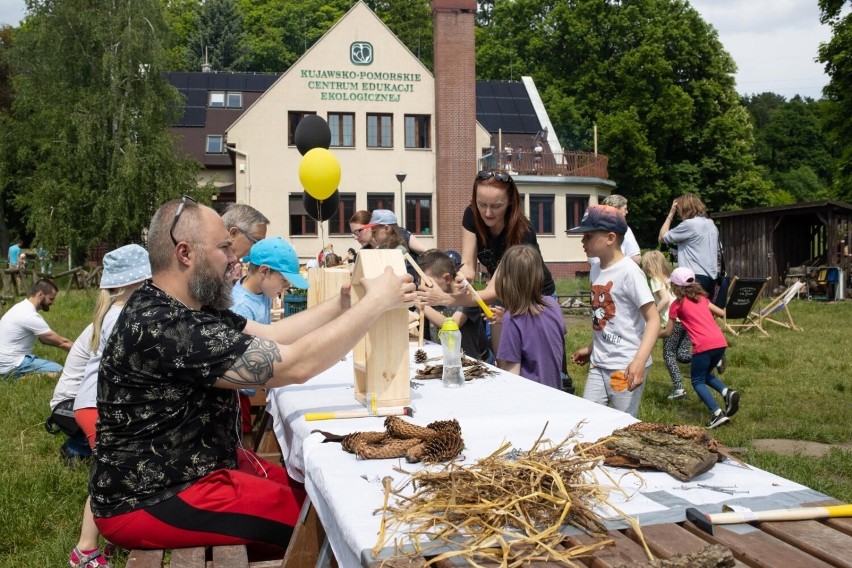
(814, 538)
(758, 549)
(842, 525)
(145, 559)
(188, 558)
(624, 552)
(308, 536)
(231, 556)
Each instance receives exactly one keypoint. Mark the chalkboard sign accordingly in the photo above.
(742, 295)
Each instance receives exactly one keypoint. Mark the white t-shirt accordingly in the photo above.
(87, 396)
(19, 329)
(630, 246)
(618, 293)
(72, 371)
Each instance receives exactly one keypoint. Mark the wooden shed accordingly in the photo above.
(770, 241)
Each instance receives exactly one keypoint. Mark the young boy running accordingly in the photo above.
(624, 317)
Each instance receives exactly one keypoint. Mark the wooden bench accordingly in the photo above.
(233, 556)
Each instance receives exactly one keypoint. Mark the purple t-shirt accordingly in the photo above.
(537, 342)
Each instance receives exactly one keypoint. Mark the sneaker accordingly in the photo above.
(732, 402)
(677, 394)
(718, 420)
(722, 364)
(92, 559)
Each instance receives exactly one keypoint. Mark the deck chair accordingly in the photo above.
(778, 308)
(743, 293)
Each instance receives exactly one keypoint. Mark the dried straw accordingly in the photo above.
(507, 508)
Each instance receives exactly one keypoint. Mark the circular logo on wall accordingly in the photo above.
(361, 53)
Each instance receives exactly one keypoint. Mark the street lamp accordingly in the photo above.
(400, 177)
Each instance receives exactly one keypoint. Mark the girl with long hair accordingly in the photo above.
(676, 347)
(532, 343)
(696, 313)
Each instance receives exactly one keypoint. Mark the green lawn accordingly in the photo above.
(793, 384)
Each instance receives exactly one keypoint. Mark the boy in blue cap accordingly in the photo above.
(273, 267)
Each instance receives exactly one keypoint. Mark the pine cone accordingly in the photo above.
(389, 448)
(445, 446)
(351, 441)
(445, 426)
(399, 428)
(420, 356)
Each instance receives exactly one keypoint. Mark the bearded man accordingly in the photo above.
(19, 329)
(169, 471)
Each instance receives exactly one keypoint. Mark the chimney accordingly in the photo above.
(455, 114)
(205, 67)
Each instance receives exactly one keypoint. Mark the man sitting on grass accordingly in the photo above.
(169, 471)
(19, 329)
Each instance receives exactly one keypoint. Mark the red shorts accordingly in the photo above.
(86, 419)
(228, 506)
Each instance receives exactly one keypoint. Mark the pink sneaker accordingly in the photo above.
(89, 559)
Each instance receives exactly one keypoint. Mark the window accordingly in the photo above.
(221, 99)
(575, 208)
(300, 223)
(215, 144)
(235, 100)
(217, 99)
(339, 222)
(342, 125)
(417, 131)
(523, 198)
(380, 131)
(380, 201)
(293, 120)
(418, 214)
(541, 214)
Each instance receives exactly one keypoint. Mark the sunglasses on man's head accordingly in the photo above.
(177, 216)
(502, 177)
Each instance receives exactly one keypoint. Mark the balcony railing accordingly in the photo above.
(579, 164)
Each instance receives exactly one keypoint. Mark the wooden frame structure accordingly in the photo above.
(326, 283)
(381, 357)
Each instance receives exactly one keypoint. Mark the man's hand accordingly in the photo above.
(345, 297)
(433, 296)
(390, 290)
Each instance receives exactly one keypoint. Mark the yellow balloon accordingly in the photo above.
(319, 172)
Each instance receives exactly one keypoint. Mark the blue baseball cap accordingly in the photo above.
(602, 218)
(280, 256)
(383, 217)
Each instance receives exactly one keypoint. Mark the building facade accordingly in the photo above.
(380, 104)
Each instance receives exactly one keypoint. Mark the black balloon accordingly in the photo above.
(312, 132)
(321, 210)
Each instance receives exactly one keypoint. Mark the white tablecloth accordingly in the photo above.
(346, 490)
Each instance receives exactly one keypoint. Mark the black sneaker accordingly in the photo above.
(732, 402)
(718, 420)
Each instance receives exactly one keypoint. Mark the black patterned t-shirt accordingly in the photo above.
(161, 424)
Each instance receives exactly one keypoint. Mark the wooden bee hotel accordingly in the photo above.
(381, 357)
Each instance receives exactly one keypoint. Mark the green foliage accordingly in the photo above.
(219, 37)
(838, 93)
(91, 122)
(654, 78)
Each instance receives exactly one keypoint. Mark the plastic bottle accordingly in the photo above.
(450, 335)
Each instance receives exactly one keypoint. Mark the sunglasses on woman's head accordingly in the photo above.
(502, 177)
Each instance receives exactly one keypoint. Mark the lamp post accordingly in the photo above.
(400, 177)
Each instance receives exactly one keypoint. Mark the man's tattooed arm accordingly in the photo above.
(255, 367)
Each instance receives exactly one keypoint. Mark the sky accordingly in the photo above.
(774, 42)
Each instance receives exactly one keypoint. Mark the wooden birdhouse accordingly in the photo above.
(381, 356)
(325, 283)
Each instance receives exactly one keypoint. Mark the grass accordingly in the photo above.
(793, 384)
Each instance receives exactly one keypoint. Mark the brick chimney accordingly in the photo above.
(455, 114)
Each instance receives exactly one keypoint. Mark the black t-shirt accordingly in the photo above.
(490, 253)
(161, 424)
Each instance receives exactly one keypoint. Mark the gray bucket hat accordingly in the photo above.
(124, 266)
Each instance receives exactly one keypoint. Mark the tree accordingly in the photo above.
(91, 121)
(655, 79)
(219, 37)
(838, 93)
